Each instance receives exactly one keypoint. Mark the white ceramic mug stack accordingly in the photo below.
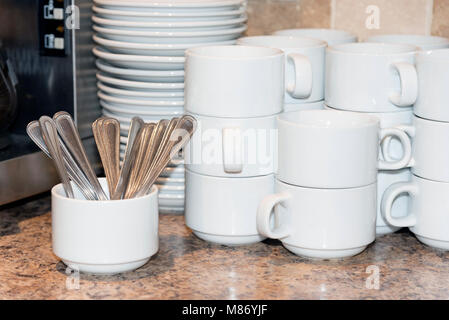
(325, 201)
(378, 79)
(235, 93)
(428, 190)
(304, 68)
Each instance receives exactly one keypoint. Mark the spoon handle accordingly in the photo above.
(50, 135)
(177, 139)
(129, 158)
(80, 180)
(69, 134)
(107, 137)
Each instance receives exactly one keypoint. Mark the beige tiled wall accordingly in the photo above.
(362, 17)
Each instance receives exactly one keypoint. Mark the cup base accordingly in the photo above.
(383, 230)
(438, 244)
(231, 241)
(319, 254)
(106, 269)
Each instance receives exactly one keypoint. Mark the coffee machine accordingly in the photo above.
(47, 61)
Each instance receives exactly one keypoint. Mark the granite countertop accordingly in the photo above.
(188, 268)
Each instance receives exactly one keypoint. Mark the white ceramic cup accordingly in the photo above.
(331, 36)
(304, 65)
(334, 149)
(320, 223)
(234, 81)
(371, 77)
(428, 216)
(433, 78)
(232, 147)
(104, 237)
(387, 178)
(430, 154)
(421, 41)
(223, 210)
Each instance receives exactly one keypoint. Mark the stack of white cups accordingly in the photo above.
(428, 216)
(235, 93)
(325, 200)
(377, 79)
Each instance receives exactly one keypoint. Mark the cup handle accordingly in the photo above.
(388, 198)
(302, 87)
(406, 145)
(385, 143)
(264, 213)
(232, 150)
(409, 85)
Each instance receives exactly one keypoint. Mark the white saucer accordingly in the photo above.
(167, 26)
(123, 112)
(123, 47)
(175, 86)
(138, 93)
(140, 61)
(167, 200)
(141, 102)
(172, 189)
(170, 4)
(141, 75)
(171, 210)
(181, 36)
(124, 126)
(137, 15)
(171, 181)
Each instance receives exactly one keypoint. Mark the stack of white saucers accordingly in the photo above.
(140, 62)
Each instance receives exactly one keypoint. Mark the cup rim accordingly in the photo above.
(208, 117)
(57, 195)
(290, 119)
(202, 52)
(433, 122)
(343, 34)
(404, 49)
(392, 114)
(420, 39)
(291, 42)
(437, 54)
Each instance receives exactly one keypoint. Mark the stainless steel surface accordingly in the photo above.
(107, 136)
(129, 158)
(34, 131)
(46, 84)
(69, 134)
(26, 176)
(50, 135)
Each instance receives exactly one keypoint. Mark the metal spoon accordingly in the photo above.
(178, 138)
(50, 135)
(75, 174)
(151, 150)
(132, 186)
(129, 158)
(140, 175)
(69, 134)
(107, 137)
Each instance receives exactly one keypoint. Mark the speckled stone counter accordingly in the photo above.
(188, 268)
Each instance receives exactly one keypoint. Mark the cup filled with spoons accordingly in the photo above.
(108, 225)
